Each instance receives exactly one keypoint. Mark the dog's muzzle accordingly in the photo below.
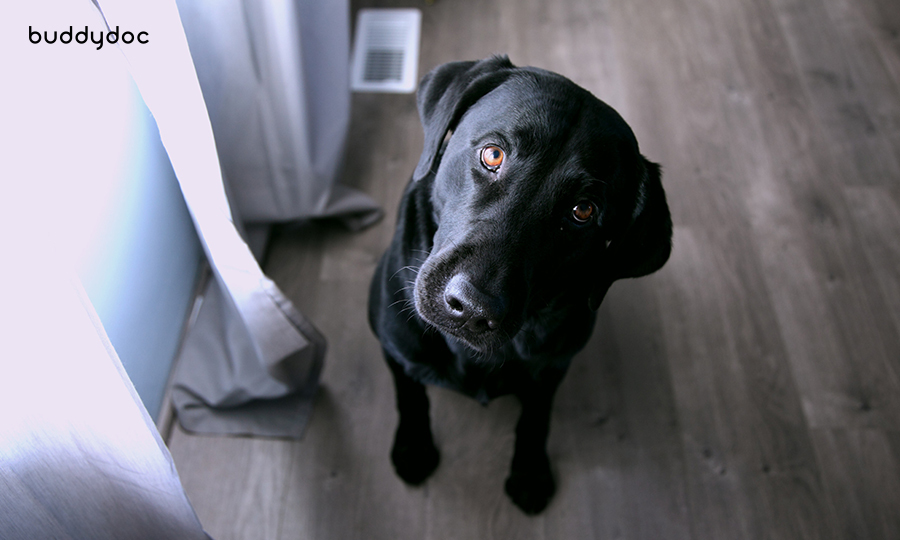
(460, 308)
(471, 309)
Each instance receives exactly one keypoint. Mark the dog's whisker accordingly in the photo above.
(402, 300)
(414, 269)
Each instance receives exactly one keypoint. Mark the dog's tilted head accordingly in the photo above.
(541, 200)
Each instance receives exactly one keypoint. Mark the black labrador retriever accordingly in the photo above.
(530, 198)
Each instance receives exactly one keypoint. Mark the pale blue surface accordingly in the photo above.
(143, 263)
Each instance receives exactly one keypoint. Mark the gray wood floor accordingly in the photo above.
(750, 389)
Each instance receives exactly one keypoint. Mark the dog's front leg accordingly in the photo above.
(414, 455)
(530, 483)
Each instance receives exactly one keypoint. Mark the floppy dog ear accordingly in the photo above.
(645, 245)
(446, 93)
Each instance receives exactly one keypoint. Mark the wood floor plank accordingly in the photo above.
(843, 81)
(877, 218)
(813, 264)
(883, 19)
(870, 64)
(476, 446)
(644, 432)
(875, 61)
(862, 478)
(236, 484)
(343, 484)
(740, 454)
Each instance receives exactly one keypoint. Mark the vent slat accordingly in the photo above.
(383, 66)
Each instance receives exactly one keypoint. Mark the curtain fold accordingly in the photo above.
(251, 361)
(275, 78)
(234, 396)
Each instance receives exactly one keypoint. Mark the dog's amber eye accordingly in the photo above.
(583, 211)
(492, 157)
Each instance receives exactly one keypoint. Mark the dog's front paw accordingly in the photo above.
(531, 488)
(414, 455)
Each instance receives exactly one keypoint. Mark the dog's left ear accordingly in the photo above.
(644, 246)
(446, 93)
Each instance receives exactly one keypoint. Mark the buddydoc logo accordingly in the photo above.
(83, 36)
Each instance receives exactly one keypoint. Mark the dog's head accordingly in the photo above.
(540, 197)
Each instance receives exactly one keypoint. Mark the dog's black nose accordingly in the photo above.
(472, 308)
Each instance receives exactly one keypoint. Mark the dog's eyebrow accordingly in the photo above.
(591, 187)
(594, 182)
(493, 136)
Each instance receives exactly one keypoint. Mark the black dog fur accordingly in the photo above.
(530, 198)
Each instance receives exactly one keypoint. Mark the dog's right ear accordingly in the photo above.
(645, 245)
(446, 93)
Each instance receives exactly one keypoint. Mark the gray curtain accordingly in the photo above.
(275, 80)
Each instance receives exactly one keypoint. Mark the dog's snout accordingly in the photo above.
(471, 307)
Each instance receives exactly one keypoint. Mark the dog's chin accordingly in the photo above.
(483, 343)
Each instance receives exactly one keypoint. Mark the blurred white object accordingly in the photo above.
(386, 50)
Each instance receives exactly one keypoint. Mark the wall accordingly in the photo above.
(142, 256)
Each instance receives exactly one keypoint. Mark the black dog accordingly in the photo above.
(529, 200)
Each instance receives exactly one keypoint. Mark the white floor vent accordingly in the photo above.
(386, 50)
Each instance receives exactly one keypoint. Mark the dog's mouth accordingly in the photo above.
(454, 305)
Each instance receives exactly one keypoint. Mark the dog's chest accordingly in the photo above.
(474, 376)
(519, 364)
